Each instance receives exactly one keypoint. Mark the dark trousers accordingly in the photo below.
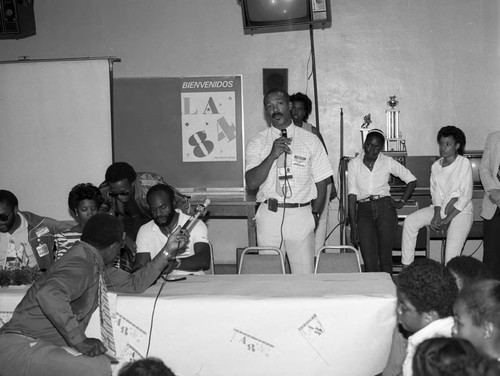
(491, 236)
(377, 221)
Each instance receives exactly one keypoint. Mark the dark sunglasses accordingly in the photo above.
(122, 193)
(5, 217)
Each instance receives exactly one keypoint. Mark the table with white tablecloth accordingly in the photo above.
(217, 325)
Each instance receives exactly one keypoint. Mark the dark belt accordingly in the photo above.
(372, 198)
(290, 205)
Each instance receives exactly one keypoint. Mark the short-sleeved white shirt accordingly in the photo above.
(309, 163)
(364, 183)
(151, 240)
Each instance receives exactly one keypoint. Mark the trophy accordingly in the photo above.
(367, 120)
(394, 140)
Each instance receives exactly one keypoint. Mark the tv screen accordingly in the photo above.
(281, 15)
(474, 158)
(277, 11)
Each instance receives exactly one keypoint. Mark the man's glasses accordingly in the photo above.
(121, 193)
(5, 217)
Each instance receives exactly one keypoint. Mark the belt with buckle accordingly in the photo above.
(291, 205)
(371, 198)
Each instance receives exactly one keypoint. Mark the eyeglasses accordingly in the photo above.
(121, 193)
(5, 217)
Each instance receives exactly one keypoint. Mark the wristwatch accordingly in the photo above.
(169, 256)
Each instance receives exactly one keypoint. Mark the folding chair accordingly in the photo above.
(261, 260)
(337, 259)
(211, 269)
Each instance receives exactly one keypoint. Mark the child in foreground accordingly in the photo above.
(426, 291)
(477, 316)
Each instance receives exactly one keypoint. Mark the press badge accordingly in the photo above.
(299, 161)
(42, 250)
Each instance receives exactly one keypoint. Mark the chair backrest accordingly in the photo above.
(261, 260)
(211, 270)
(337, 259)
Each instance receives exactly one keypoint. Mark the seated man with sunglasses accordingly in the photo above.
(26, 239)
(124, 192)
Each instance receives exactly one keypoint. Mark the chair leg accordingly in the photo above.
(443, 251)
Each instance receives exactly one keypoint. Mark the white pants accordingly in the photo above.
(455, 237)
(298, 235)
(320, 234)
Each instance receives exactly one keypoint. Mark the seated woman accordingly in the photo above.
(451, 192)
(372, 211)
(84, 201)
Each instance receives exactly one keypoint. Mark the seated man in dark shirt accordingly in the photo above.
(56, 310)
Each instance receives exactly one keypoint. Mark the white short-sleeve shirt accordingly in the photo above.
(151, 240)
(308, 160)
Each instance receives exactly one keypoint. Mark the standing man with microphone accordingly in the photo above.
(194, 257)
(290, 169)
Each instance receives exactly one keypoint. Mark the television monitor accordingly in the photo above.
(474, 157)
(262, 16)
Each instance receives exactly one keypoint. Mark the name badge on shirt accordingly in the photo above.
(41, 231)
(299, 161)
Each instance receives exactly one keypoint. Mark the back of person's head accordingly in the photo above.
(84, 191)
(146, 367)
(102, 230)
(482, 302)
(448, 357)
(467, 270)
(119, 171)
(429, 286)
(160, 188)
(300, 97)
(456, 133)
(9, 198)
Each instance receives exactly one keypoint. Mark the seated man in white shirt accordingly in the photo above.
(152, 236)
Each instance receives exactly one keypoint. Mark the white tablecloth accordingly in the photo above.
(324, 324)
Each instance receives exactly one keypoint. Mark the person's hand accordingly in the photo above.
(436, 223)
(494, 196)
(450, 205)
(91, 347)
(354, 237)
(316, 220)
(444, 226)
(333, 193)
(398, 204)
(177, 242)
(280, 146)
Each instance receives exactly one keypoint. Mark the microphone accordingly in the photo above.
(199, 210)
(283, 133)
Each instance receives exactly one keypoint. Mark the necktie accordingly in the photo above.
(107, 336)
